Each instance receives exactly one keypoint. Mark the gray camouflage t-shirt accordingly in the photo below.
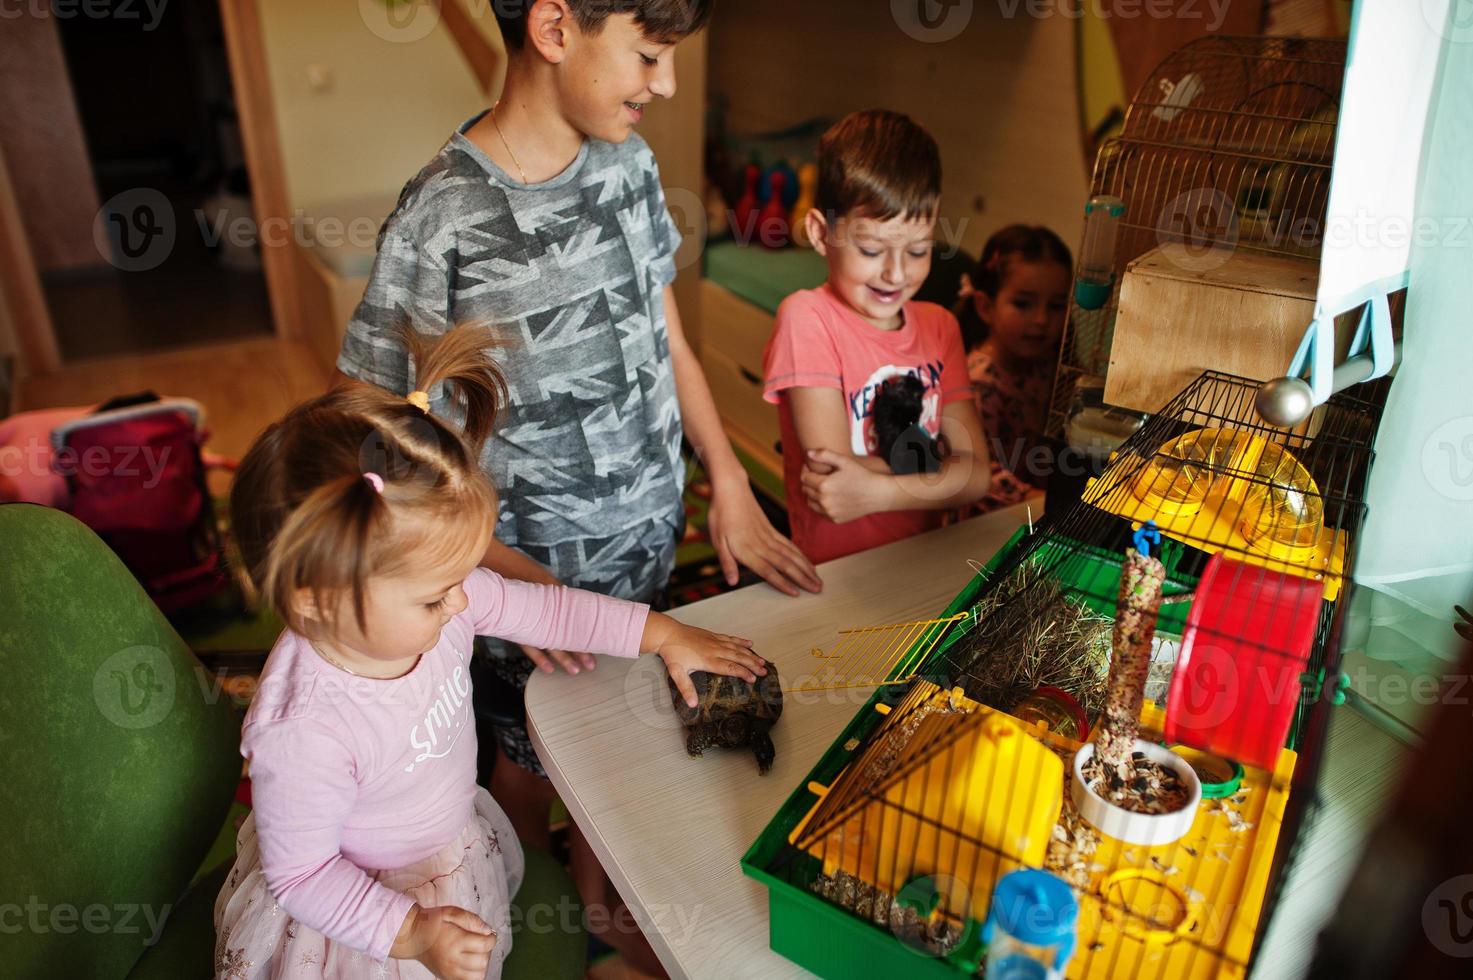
(571, 272)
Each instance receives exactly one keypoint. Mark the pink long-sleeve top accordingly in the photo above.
(351, 774)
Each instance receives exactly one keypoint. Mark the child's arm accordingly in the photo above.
(820, 418)
(843, 487)
(508, 562)
(740, 532)
(557, 616)
(689, 648)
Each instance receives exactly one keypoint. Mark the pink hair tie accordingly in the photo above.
(375, 481)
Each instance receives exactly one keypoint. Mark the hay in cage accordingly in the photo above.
(1031, 633)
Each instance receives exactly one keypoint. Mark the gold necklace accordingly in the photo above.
(507, 145)
(331, 659)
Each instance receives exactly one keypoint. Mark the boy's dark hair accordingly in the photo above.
(1026, 243)
(664, 21)
(880, 164)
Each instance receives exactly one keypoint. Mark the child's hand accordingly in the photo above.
(452, 943)
(688, 648)
(548, 661)
(841, 488)
(742, 535)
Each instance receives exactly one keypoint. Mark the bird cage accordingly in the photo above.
(1228, 146)
(936, 791)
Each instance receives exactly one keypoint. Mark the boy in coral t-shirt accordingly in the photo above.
(840, 351)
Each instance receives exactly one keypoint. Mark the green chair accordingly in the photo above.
(119, 757)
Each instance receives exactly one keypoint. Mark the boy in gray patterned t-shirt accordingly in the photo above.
(544, 217)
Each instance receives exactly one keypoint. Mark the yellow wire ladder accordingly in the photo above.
(875, 656)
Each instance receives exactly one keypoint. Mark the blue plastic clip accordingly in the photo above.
(1146, 536)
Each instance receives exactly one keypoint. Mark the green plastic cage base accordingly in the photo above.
(831, 942)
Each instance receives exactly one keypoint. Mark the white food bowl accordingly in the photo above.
(1137, 828)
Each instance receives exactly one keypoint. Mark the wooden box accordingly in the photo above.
(1182, 315)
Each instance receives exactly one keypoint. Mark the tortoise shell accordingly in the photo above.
(731, 713)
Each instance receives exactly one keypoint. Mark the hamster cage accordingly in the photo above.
(885, 861)
(1227, 144)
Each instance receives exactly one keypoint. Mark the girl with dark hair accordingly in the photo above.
(1012, 310)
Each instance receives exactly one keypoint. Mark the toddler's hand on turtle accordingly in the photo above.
(689, 648)
(452, 943)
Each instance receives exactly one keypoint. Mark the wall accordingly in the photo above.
(999, 97)
(361, 105)
(358, 113)
(1142, 43)
(8, 345)
(42, 138)
(1101, 84)
(25, 325)
(674, 129)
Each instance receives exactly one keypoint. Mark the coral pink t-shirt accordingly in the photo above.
(821, 342)
(351, 773)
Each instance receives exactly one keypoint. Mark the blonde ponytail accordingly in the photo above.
(461, 360)
(304, 514)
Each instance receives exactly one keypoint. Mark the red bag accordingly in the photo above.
(137, 478)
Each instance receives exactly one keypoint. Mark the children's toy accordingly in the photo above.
(786, 191)
(772, 220)
(744, 215)
(807, 196)
(901, 442)
(732, 714)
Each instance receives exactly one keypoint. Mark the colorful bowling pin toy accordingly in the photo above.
(744, 216)
(807, 193)
(772, 223)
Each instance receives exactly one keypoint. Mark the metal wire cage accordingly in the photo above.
(938, 792)
(1228, 144)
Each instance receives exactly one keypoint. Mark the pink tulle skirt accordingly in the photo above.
(255, 937)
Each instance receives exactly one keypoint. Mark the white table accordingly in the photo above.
(670, 829)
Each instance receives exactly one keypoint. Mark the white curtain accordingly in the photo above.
(1417, 547)
(1395, 47)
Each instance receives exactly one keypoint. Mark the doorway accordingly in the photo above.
(136, 238)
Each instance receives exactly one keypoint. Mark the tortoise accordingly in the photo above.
(732, 713)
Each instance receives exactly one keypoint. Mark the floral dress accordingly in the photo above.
(1014, 410)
